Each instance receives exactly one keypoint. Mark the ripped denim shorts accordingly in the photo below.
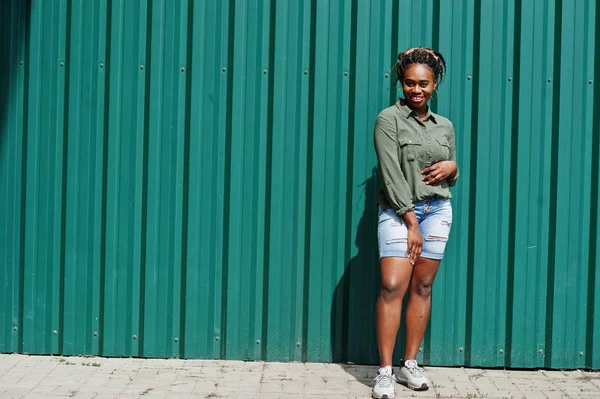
(435, 219)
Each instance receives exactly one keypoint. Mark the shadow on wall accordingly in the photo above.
(353, 335)
(14, 21)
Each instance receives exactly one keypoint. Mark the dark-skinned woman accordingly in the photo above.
(417, 162)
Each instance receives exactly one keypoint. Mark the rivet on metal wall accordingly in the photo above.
(386, 75)
(224, 70)
(258, 342)
(54, 332)
(306, 72)
(217, 338)
(501, 351)
(101, 65)
(95, 333)
(21, 63)
(182, 69)
(580, 353)
(461, 349)
(469, 77)
(176, 340)
(141, 67)
(549, 80)
(298, 344)
(510, 79)
(345, 73)
(420, 349)
(62, 64)
(264, 71)
(134, 337)
(540, 351)
(15, 328)
(590, 81)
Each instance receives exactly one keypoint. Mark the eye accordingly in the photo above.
(424, 85)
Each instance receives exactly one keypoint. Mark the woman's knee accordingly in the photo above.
(422, 288)
(393, 289)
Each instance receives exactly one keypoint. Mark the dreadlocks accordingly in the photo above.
(420, 55)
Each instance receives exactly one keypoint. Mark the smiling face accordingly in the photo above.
(418, 83)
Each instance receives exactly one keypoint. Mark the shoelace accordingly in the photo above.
(384, 380)
(415, 371)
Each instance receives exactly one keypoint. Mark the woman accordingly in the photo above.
(416, 154)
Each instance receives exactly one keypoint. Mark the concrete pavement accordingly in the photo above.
(23, 376)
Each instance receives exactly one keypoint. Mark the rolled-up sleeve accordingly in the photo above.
(451, 141)
(393, 181)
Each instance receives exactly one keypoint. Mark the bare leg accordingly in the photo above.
(418, 308)
(395, 277)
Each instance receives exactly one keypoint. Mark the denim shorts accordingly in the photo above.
(435, 219)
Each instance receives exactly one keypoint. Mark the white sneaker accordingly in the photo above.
(412, 376)
(383, 384)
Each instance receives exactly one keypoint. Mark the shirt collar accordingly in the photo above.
(407, 112)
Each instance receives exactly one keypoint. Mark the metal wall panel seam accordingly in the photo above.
(593, 333)
(554, 82)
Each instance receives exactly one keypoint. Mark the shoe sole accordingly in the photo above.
(422, 387)
(383, 397)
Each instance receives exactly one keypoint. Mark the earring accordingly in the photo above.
(437, 94)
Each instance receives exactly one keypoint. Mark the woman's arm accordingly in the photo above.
(394, 183)
(443, 170)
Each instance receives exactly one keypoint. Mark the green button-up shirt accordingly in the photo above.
(406, 145)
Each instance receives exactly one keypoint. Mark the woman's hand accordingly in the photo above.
(439, 171)
(415, 244)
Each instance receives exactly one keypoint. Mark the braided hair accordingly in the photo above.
(420, 55)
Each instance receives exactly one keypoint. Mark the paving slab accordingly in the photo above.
(24, 376)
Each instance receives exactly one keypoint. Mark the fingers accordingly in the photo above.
(415, 253)
(433, 178)
(433, 174)
(411, 249)
(414, 249)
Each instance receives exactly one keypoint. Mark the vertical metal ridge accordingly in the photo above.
(144, 195)
(227, 184)
(435, 44)
(309, 172)
(553, 182)
(473, 184)
(514, 150)
(64, 175)
(394, 51)
(349, 183)
(189, 66)
(268, 184)
(104, 176)
(594, 259)
(24, 156)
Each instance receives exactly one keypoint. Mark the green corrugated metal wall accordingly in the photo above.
(197, 178)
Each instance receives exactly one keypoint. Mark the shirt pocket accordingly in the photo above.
(443, 150)
(409, 148)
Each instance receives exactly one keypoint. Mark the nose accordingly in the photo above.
(417, 89)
